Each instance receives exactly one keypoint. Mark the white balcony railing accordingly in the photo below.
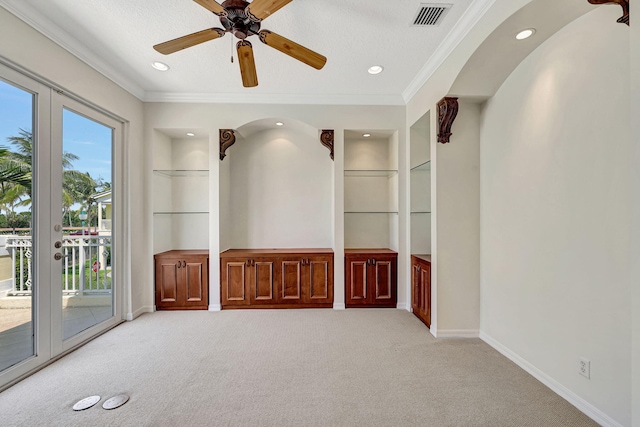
(85, 266)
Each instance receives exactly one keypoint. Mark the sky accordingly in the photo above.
(88, 140)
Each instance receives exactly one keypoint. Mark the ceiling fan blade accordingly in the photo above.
(187, 41)
(212, 6)
(293, 49)
(262, 9)
(247, 64)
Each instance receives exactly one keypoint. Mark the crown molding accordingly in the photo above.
(465, 24)
(40, 23)
(298, 99)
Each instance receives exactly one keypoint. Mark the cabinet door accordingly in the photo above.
(425, 301)
(318, 280)
(235, 280)
(415, 287)
(383, 281)
(195, 291)
(263, 282)
(356, 280)
(290, 289)
(168, 282)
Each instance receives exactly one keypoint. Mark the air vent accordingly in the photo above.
(431, 14)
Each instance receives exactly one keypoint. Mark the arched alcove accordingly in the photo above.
(276, 187)
(500, 53)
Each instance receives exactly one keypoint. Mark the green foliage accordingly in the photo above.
(16, 185)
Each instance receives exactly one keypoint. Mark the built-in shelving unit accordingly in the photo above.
(180, 193)
(371, 190)
(420, 182)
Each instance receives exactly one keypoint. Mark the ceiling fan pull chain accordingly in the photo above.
(232, 50)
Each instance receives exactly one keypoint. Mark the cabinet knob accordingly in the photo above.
(184, 264)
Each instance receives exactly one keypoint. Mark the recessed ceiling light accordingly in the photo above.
(525, 34)
(191, 134)
(279, 124)
(376, 69)
(366, 135)
(160, 66)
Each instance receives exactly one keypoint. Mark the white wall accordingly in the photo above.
(555, 213)
(635, 199)
(281, 191)
(458, 225)
(30, 49)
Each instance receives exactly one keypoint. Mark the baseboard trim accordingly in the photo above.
(215, 307)
(403, 306)
(457, 333)
(144, 309)
(587, 408)
(339, 306)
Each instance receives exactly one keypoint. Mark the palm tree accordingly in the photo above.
(23, 158)
(16, 173)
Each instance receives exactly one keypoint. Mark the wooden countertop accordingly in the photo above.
(367, 251)
(424, 257)
(293, 251)
(181, 252)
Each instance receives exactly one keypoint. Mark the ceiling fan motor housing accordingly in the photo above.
(237, 20)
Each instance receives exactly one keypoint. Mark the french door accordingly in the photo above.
(59, 279)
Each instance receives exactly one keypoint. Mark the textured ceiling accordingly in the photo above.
(353, 34)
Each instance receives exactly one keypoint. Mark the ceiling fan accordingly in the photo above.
(243, 19)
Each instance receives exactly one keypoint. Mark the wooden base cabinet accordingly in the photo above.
(371, 278)
(421, 287)
(277, 278)
(182, 280)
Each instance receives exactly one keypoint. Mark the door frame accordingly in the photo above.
(60, 102)
(47, 123)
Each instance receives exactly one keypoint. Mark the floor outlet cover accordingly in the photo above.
(86, 403)
(115, 401)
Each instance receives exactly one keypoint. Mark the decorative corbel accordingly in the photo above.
(447, 112)
(227, 139)
(327, 138)
(623, 3)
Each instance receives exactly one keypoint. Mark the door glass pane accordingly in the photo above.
(87, 297)
(16, 255)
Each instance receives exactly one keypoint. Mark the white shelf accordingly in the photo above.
(423, 167)
(373, 213)
(372, 173)
(181, 173)
(181, 213)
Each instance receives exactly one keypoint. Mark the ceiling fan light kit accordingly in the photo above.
(244, 19)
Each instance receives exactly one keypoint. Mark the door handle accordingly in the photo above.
(373, 261)
(58, 256)
(184, 264)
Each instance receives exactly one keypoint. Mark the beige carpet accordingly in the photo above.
(285, 368)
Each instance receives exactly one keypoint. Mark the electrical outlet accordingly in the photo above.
(584, 367)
